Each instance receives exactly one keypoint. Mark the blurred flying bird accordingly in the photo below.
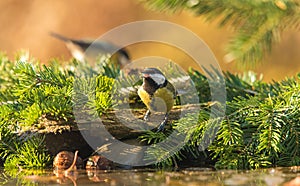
(91, 50)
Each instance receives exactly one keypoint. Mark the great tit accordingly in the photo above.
(90, 51)
(157, 93)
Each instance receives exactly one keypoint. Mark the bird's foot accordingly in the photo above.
(161, 127)
(163, 123)
(146, 117)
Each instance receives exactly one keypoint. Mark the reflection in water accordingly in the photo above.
(187, 177)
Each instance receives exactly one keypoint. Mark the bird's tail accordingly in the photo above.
(58, 36)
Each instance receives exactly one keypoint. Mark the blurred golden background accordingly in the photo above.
(26, 25)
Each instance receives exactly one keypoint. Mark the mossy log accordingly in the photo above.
(72, 135)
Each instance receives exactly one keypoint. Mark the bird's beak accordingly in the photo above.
(145, 75)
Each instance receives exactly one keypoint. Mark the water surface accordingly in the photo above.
(186, 177)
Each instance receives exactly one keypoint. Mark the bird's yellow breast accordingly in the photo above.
(161, 101)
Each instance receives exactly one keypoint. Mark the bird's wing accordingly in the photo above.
(60, 37)
(83, 44)
(172, 89)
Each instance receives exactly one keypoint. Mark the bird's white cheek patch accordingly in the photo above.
(158, 78)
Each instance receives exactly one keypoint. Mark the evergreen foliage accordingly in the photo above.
(259, 131)
(261, 127)
(28, 153)
(33, 95)
(258, 24)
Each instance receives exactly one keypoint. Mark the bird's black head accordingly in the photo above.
(153, 79)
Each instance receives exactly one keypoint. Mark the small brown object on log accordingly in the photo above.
(64, 159)
(99, 162)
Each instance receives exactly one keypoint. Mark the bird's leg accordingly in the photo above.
(163, 123)
(146, 117)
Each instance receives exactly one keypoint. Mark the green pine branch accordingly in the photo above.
(33, 96)
(258, 24)
(261, 127)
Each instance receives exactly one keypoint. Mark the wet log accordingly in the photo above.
(125, 125)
